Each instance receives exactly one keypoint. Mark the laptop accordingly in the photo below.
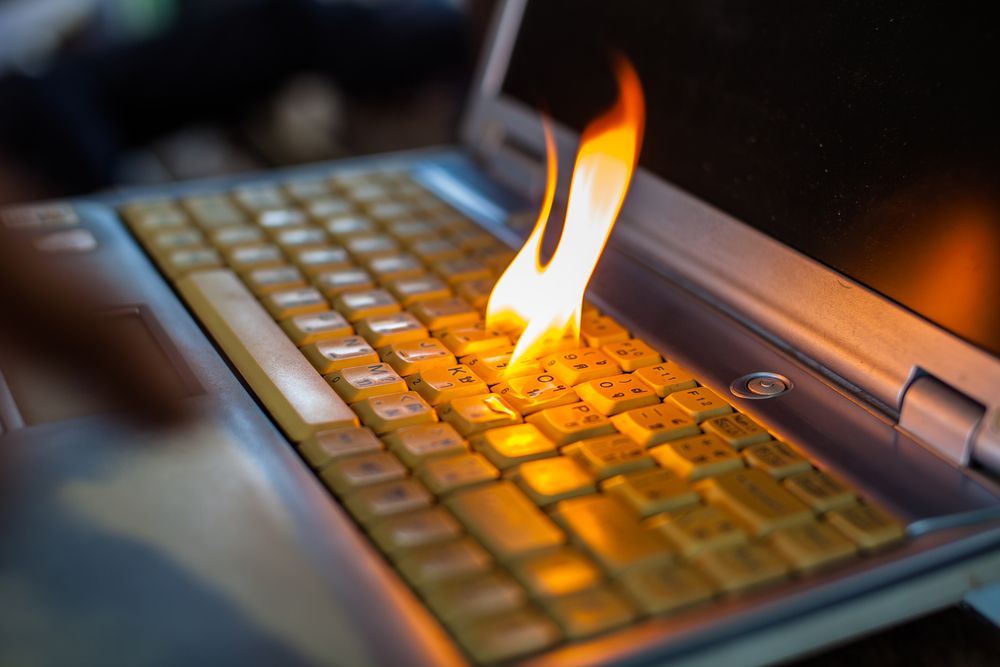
(801, 287)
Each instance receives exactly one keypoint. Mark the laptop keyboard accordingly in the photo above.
(602, 486)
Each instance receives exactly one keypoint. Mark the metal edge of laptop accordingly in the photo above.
(875, 348)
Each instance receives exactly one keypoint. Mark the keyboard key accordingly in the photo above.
(409, 291)
(384, 330)
(651, 491)
(655, 424)
(445, 313)
(580, 365)
(505, 636)
(325, 446)
(307, 189)
(697, 457)
(213, 211)
(332, 283)
(600, 330)
(821, 491)
(394, 267)
(463, 601)
(869, 527)
(418, 356)
(455, 271)
(512, 445)
(174, 238)
(591, 612)
(555, 573)
(699, 403)
(444, 475)
(260, 197)
(415, 529)
(632, 354)
(505, 521)
(609, 455)
(756, 499)
(187, 260)
(359, 304)
(667, 588)
(387, 413)
(313, 327)
(476, 292)
(364, 248)
(390, 498)
(812, 546)
(278, 219)
(699, 528)
(439, 385)
(298, 238)
(409, 232)
(666, 378)
(345, 227)
(350, 474)
(333, 354)
(616, 393)
(474, 340)
(612, 534)
(288, 303)
(433, 251)
(777, 459)
(276, 279)
(416, 444)
(534, 393)
(235, 235)
(736, 429)
(570, 423)
(313, 261)
(430, 566)
(493, 366)
(474, 414)
(549, 480)
(294, 394)
(356, 383)
(742, 567)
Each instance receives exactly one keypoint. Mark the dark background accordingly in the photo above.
(864, 134)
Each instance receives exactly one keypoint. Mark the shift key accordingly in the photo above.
(506, 522)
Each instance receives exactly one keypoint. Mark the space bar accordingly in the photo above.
(297, 397)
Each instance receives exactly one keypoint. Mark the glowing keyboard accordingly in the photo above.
(597, 487)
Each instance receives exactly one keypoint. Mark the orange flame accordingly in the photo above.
(544, 303)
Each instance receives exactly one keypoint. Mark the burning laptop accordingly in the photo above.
(687, 355)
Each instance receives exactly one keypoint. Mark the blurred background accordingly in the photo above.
(102, 93)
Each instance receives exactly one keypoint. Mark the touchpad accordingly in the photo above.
(45, 393)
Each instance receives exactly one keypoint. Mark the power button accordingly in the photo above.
(760, 385)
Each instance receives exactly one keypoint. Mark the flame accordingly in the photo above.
(544, 303)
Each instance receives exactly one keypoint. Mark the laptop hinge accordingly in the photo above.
(942, 417)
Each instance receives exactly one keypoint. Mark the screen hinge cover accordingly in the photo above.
(942, 417)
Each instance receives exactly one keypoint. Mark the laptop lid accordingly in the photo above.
(827, 174)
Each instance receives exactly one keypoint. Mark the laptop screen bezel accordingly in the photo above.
(857, 335)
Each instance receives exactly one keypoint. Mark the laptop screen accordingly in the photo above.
(864, 134)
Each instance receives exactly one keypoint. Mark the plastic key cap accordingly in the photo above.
(357, 305)
(415, 444)
(651, 491)
(349, 474)
(666, 378)
(581, 365)
(474, 414)
(616, 393)
(632, 354)
(699, 403)
(697, 457)
(736, 429)
(465, 600)
(387, 413)
(869, 527)
(306, 329)
(736, 569)
(667, 588)
(445, 475)
(570, 423)
(819, 490)
(655, 424)
(600, 330)
(383, 330)
(332, 354)
(416, 529)
(555, 573)
(699, 528)
(612, 534)
(812, 546)
(609, 455)
(326, 446)
(505, 636)
(379, 501)
(776, 459)
(430, 566)
(442, 384)
(756, 499)
(356, 383)
(420, 355)
(296, 396)
(512, 445)
(506, 522)
(288, 303)
(591, 612)
(549, 480)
